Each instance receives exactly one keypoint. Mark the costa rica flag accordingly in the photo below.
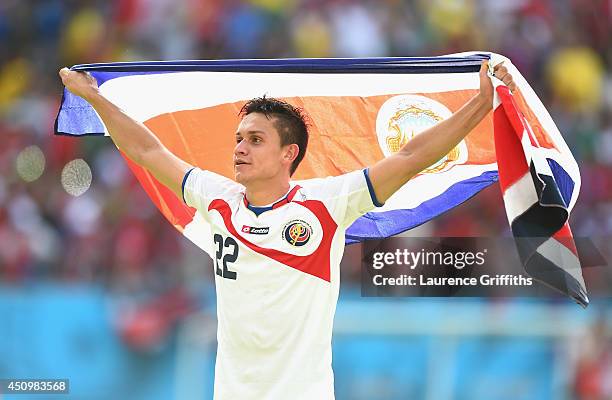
(361, 110)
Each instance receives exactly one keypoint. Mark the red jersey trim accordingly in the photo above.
(315, 264)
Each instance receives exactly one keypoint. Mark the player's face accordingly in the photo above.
(258, 155)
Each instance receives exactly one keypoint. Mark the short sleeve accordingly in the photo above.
(200, 187)
(347, 196)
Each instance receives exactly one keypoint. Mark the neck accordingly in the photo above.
(262, 195)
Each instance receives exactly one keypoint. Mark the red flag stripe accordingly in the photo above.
(511, 162)
(565, 236)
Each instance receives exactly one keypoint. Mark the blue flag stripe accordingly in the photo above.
(379, 225)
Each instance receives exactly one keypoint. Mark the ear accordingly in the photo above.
(291, 152)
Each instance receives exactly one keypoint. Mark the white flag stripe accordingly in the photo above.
(527, 147)
(541, 165)
(519, 197)
(196, 90)
(533, 154)
(563, 258)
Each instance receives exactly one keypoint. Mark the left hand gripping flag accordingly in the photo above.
(537, 176)
(361, 110)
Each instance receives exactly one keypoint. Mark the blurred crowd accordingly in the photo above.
(113, 236)
(112, 233)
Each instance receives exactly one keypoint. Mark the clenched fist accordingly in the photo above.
(81, 84)
(486, 87)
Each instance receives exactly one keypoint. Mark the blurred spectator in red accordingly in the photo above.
(593, 374)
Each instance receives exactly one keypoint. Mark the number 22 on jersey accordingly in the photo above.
(227, 252)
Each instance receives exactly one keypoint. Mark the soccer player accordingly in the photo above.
(277, 245)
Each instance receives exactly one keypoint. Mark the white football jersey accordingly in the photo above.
(277, 280)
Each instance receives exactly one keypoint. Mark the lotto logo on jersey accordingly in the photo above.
(255, 231)
(297, 233)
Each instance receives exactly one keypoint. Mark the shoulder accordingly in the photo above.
(203, 183)
(333, 186)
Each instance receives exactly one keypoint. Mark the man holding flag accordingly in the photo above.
(277, 245)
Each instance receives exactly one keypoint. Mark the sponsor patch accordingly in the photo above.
(263, 230)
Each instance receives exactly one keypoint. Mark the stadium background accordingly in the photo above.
(101, 290)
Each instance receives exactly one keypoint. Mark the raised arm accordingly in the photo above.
(391, 173)
(130, 136)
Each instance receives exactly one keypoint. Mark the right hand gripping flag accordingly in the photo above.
(361, 110)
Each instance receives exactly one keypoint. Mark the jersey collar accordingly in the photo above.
(286, 199)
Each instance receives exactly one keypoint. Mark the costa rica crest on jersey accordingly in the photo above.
(297, 232)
